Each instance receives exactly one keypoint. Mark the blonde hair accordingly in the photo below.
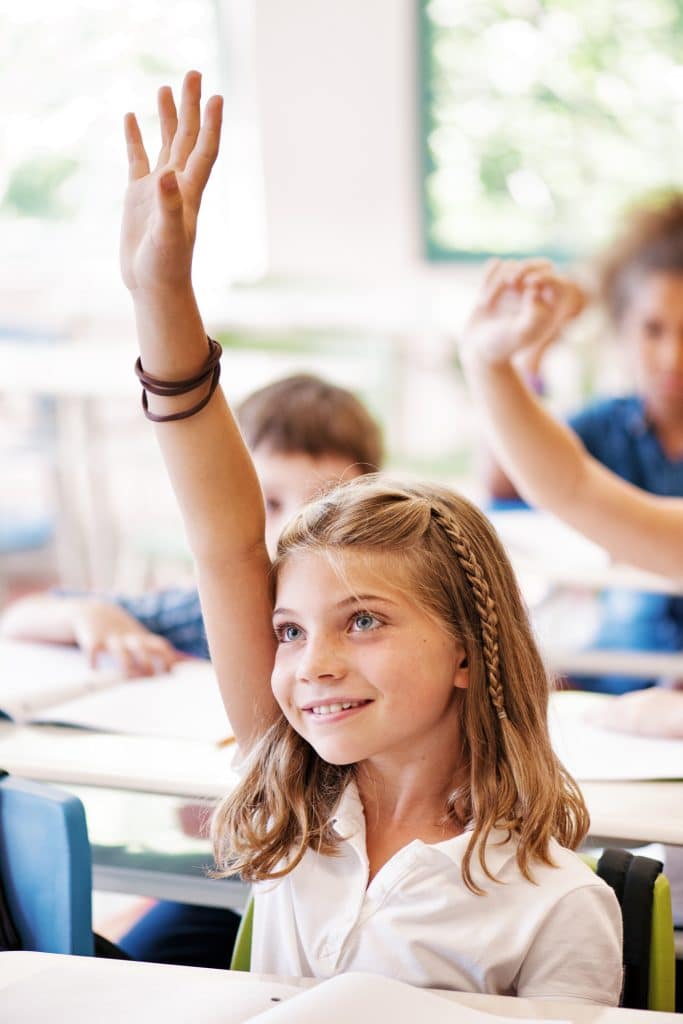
(460, 574)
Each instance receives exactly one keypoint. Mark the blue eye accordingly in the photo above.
(287, 634)
(364, 621)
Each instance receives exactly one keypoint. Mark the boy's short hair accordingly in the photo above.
(303, 413)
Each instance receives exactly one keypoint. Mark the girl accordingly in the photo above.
(401, 810)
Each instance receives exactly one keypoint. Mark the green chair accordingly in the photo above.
(241, 954)
(649, 951)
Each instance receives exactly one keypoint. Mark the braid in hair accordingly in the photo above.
(484, 603)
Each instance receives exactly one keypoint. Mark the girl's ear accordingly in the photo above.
(461, 680)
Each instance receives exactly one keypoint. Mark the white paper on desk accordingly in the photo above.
(183, 704)
(86, 989)
(593, 754)
(369, 997)
(35, 676)
(89, 990)
(50, 683)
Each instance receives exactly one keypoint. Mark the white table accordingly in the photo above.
(133, 789)
(539, 543)
(84, 989)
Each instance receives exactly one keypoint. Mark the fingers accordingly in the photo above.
(168, 123)
(189, 120)
(537, 280)
(204, 154)
(170, 217)
(497, 280)
(188, 144)
(138, 164)
(136, 655)
(140, 655)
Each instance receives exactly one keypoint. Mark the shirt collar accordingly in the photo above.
(349, 818)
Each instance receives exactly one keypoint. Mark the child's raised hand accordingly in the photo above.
(161, 207)
(522, 306)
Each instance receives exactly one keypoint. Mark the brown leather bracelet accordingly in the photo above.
(171, 389)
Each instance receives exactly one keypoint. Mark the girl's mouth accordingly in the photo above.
(335, 711)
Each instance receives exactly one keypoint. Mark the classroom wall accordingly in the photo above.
(337, 102)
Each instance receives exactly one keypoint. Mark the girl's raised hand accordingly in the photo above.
(161, 206)
(522, 306)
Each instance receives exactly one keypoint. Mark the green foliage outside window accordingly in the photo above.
(543, 119)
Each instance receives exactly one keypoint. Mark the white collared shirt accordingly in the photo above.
(418, 922)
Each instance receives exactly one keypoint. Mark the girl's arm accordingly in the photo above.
(547, 462)
(210, 469)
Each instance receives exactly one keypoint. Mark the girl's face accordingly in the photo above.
(652, 326)
(362, 672)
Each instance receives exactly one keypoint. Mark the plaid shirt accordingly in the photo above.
(174, 614)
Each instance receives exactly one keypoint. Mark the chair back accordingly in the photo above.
(241, 953)
(45, 867)
(649, 949)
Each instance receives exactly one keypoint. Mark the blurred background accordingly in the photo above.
(374, 155)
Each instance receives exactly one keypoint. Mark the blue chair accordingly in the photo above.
(45, 867)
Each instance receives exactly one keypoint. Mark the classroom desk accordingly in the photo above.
(87, 988)
(560, 574)
(540, 544)
(133, 789)
(629, 813)
(650, 811)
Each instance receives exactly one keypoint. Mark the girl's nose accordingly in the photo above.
(320, 660)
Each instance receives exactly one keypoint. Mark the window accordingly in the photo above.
(542, 119)
(69, 72)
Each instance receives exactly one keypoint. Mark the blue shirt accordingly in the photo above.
(617, 433)
(174, 614)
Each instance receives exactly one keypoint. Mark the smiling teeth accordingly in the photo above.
(334, 709)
